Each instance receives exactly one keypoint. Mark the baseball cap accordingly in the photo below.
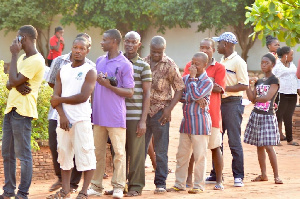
(226, 36)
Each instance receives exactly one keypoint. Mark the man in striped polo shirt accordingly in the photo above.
(136, 115)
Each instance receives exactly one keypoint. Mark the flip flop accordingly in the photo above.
(110, 192)
(174, 189)
(219, 187)
(283, 139)
(293, 143)
(259, 179)
(278, 180)
(133, 194)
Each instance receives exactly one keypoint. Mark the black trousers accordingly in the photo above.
(76, 175)
(286, 107)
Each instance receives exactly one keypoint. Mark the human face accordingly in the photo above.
(106, 43)
(290, 56)
(274, 46)
(266, 65)
(199, 64)
(131, 44)
(79, 50)
(60, 33)
(157, 52)
(206, 47)
(221, 47)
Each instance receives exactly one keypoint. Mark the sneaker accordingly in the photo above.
(238, 182)
(210, 180)
(118, 193)
(92, 192)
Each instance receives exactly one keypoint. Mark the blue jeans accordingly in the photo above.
(161, 145)
(232, 116)
(16, 143)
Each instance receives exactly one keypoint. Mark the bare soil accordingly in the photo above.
(288, 161)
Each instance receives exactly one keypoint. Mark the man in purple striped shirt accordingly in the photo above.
(195, 127)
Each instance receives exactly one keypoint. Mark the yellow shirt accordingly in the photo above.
(236, 73)
(32, 68)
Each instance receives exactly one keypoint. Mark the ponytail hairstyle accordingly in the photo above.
(283, 51)
(269, 40)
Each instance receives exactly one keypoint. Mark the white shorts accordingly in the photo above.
(79, 141)
(215, 139)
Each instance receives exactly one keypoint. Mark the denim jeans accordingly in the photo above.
(232, 116)
(16, 144)
(161, 145)
(76, 175)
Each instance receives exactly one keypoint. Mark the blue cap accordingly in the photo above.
(226, 36)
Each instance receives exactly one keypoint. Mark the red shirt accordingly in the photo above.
(218, 72)
(53, 53)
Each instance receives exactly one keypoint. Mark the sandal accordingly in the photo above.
(283, 139)
(133, 194)
(260, 178)
(61, 194)
(195, 191)
(109, 193)
(82, 195)
(219, 187)
(160, 190)
(174, 189)
(278, 180)
(293, 143)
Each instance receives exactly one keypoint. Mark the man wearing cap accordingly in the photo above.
(231, 102)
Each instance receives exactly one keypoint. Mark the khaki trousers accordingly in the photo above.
(189, 144)
(118, 140)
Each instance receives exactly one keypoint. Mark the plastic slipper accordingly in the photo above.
(278, 180)
(293, 143)
(160, 190)
(219, 187)
(133, 193)
(195, 191)
(174, 189)
(259, 178)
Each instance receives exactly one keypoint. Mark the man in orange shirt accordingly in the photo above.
(57, 45)
(216, 72)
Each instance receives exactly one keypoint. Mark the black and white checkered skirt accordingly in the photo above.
(262, 130)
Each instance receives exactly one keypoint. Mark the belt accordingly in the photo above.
(231, 99)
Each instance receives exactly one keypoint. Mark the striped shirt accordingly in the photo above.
(196, 120)
(142, 73)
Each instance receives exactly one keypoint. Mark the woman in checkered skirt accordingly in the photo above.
(262, 128)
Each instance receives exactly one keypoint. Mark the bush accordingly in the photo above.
(39, 126)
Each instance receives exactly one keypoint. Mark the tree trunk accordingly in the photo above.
(243, 31)
(40, 42)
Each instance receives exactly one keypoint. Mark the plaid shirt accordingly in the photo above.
(165, 76)
(196, 120)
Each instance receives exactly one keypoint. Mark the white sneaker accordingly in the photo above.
(92, 192)
(238, 182)
(118, 193)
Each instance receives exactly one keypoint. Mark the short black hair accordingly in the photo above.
(57, 29)
(270, 39)
(283, 50)
(114, 34)
(88, 37)
(30, 31)
(271, 57)
(85, 40)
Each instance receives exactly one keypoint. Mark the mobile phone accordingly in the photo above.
(19, 38)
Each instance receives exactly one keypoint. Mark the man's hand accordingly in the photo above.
(15, 47)
(141, 129)
(193, 71)
(202, 102)
(166, 116)
(55, 101)
(101, 79)
(24, 88)
(64, 123)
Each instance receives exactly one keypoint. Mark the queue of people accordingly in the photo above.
(129, 100)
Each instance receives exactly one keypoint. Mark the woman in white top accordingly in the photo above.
(285, 70)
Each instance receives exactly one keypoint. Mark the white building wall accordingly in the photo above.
(181, 44)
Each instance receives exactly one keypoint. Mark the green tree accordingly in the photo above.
(213, 14)
(279, 18)
(39, 13)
